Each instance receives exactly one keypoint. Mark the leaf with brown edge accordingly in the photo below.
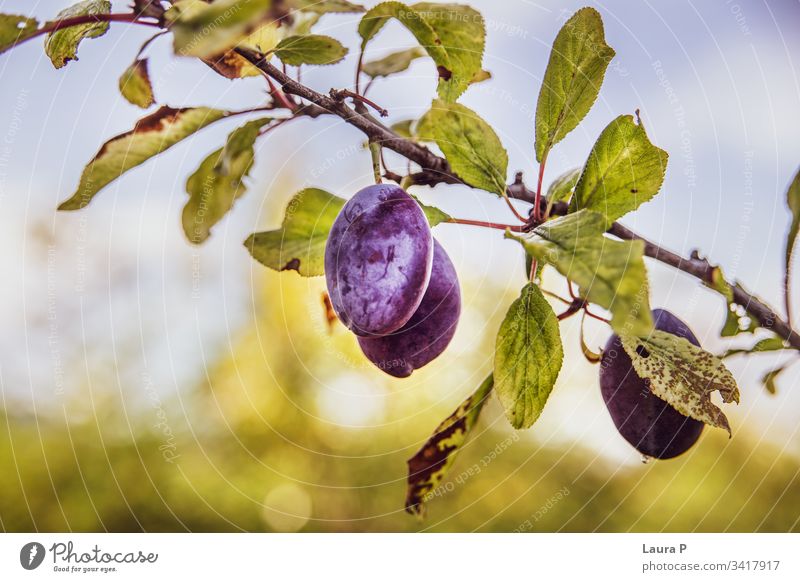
(427, 468)
(150, 136)
(683, 375)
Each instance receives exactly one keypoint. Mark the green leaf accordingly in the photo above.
(480, 77)
(528, 357)
(150, 136)
(134, 84)
(207, 30)
(561, 188)
(299, 243)
(312, 49)
(453, 35)
(572, 80)
(393, 63)
(62, 45)
(326, 6)
(218, 182)
(403, 128)
(469, 143)
(427, 468)
(769, 344)
(609, 273)
(623, 171)
(683, 375)
(433, 214)
(793, 200)
(14, 28)
(769, 379)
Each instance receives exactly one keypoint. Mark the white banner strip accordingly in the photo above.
(400, 557)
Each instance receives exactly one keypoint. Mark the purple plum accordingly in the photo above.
(430, 329)
(378, 260)
(646, 421)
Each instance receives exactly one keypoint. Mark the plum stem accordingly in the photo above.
(375, 153)
(435, 169)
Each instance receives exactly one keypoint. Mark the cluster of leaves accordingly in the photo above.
(622, 171)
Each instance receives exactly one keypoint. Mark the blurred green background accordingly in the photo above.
(263, 444)
(147, 384)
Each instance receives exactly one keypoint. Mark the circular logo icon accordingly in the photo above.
(31, 555)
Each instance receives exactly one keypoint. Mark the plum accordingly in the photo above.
(378, 260)
(430, 329)
(646, 421)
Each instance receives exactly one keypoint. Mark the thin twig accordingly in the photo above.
(49, 27)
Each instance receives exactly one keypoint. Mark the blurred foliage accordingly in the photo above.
(292, 430)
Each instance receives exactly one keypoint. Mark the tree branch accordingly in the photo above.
(435, 170)
(56, 25)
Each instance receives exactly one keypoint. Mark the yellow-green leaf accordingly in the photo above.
(150, 136)
(469, 143)
(299, 244)
(434, 215)
(623, 171)
(62, 45)
(392, 63)
(311, 49)
(683, 375)
(561, 188)
(219, 182)
(325, 6)
(427, 468)
(206, 30)
(15, 28)
(578, 62)
(793, 201)
(770, 377)
(453, 35)
(134, 84)
(527, 358)
(769, 344)
(609, 273)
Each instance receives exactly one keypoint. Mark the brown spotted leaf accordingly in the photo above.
(683, 375)
(299, 244)
(428, 467)
(150, 136)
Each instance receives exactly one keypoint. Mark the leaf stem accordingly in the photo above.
(537, 211)
(556, 296)
(359, 66)
(497, 225)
